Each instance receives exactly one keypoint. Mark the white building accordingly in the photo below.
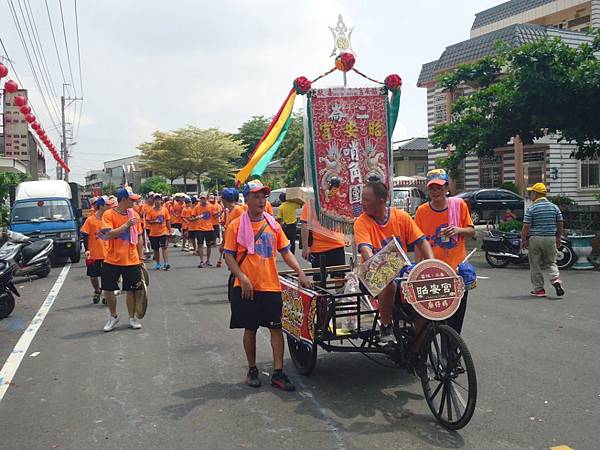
(517, 22)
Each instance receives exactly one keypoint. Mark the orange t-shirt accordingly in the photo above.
(175, 211)
(217, 208)
(232, 214)
(204, 223)
(322, 242)
(186, 213)
(96, 245)
(163, 216)
(376, 235)
(268, 207)
(120, 251)
(261, 267)
(432, 222)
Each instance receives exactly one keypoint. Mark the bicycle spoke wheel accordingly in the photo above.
(449, 380)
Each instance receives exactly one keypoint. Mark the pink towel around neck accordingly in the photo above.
(245, 235)
(133, 234)
(454, 213)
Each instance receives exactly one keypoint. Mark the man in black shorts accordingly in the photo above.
(124, 256)
(256, 296)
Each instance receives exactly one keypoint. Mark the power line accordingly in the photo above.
(62, 18)
(55, 45)
(80, 73)
(28, 56)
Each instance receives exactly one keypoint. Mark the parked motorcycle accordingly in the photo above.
(502, 248)
(25, 256)
(7, 289)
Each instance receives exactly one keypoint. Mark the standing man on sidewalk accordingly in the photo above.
(124, 256)
(252, 242)
(542, 229)
(159, 222)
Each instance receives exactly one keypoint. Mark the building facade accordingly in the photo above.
(517, 22)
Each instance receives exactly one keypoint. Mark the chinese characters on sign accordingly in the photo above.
(298, 313)
(350, 146)
(434, 289)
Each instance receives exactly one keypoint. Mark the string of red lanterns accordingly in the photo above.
(21, 101)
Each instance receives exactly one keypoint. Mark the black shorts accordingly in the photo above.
(177, 226)
(204, 236)
(264, 310)
(217, 229)
(131, 275)
(157, 242)
(95, 270)
(334, 257)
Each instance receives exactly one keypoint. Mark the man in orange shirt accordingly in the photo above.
(375, 227)
(95, 247)
(124, 256)
(256, 296)
(218, 210)
(447, 239)
(176, 211)
(202, 221)
(320, 242)
(159, 222)
(186, 213)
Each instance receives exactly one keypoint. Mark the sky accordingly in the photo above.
(160, 65)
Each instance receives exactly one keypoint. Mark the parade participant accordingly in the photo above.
(218, 210)
(317, 244)
(446, 223)
(377, 225)
(202, 218)
(252, 242)
(542, 229)
(233, 209)
(159, 221)
(176, 211)
(124, 255)
(186, 213)
(287, 217)
(192, 225)
(95, 247)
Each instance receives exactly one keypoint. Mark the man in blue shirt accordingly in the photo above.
(542, 228)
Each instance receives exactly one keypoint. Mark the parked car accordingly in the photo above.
(407, 198)
(491, 204)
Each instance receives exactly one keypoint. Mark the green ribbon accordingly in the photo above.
(262, 164)
(393, 112)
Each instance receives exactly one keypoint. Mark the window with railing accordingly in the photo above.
(590, 173)
(440, 113)
(490, 171)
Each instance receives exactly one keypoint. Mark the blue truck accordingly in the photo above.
(49, 209)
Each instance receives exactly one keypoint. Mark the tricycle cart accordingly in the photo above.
(425, 346)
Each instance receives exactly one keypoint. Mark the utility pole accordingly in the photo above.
(64, 146)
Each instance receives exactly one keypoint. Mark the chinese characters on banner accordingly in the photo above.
(349, 146)
(434, 289)
(299, 310)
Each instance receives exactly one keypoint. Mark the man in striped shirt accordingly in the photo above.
(542, 228)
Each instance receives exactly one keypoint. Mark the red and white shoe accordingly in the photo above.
(538, 293)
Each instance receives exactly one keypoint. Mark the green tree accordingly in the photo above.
(249, 134)
(7, 182)
(165, 155)
(531, 91)
(155, 184)
(109, 189)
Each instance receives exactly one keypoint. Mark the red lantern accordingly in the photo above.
(30, 118)
(35, 126)
(20, 100)
(3, 70)
(25, 109)
(40, 131)
(11, 86)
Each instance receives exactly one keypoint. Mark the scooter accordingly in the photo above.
(25, 256)
(502, 248)
(7, 289)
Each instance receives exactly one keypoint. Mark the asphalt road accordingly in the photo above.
(178, 382)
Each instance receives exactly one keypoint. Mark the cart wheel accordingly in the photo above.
(449, 380)
(303, 357)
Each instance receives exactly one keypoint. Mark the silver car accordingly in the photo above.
(407, 198)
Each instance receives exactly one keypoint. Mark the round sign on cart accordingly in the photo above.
(433, 289)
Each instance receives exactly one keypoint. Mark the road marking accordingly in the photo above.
(14, 359)
(561, 447)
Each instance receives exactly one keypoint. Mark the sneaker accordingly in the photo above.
(134, 323)
(200, 265)
(219, 263)
(167, 266)
(281, 381)
(387, 334)
(538, 293)
(252, 379)
(111, 324)
(157, 266)
(208, 264)
(559, 288)
(96, 298)
(104, 302)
